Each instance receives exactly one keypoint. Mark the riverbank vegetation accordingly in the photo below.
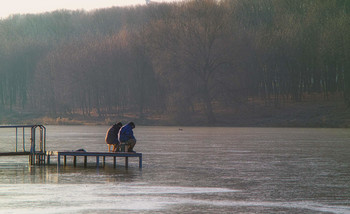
(198, 62)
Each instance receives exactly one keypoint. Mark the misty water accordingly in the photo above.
(186, 170)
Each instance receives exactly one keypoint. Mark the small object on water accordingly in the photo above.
(180, 129)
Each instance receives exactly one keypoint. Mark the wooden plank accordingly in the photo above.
(107, 154)
(13, 153)
(51, 152)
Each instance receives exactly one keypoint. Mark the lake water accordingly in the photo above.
(187, 170)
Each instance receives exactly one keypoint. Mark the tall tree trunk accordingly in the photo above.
(208, 106)
(347, 83)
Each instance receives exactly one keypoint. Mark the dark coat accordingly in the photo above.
(112, 134)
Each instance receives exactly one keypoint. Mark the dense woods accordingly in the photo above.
(180, 60)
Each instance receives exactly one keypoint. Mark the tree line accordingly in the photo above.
(174, 59)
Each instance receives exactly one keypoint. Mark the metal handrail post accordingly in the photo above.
(16, 137)
(41, 139)
(32, 149)
(23, 140)
(44, 140)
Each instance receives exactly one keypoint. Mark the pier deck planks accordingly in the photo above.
(13, 153)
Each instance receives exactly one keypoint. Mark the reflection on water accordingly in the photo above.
(196, 170)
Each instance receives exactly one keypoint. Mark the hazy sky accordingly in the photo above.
(8, 7)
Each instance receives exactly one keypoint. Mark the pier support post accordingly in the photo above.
(140, 161)
(58, 161)
(85, 161)
(75, 161)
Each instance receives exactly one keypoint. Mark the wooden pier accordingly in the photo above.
(76, 154)
(38, 154)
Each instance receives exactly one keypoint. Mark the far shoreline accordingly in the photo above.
(307, 114)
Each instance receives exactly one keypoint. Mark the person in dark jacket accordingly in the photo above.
(112, 136)
(126, 135)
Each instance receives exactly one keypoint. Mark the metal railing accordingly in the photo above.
(37, 150)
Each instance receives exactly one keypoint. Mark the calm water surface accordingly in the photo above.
(188, 170)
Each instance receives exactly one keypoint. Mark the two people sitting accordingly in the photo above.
(118, 134)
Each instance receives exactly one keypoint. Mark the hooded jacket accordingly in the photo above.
(126, 133)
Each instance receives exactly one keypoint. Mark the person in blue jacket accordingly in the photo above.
(126, 135)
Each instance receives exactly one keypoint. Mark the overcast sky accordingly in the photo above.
(9, 7)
